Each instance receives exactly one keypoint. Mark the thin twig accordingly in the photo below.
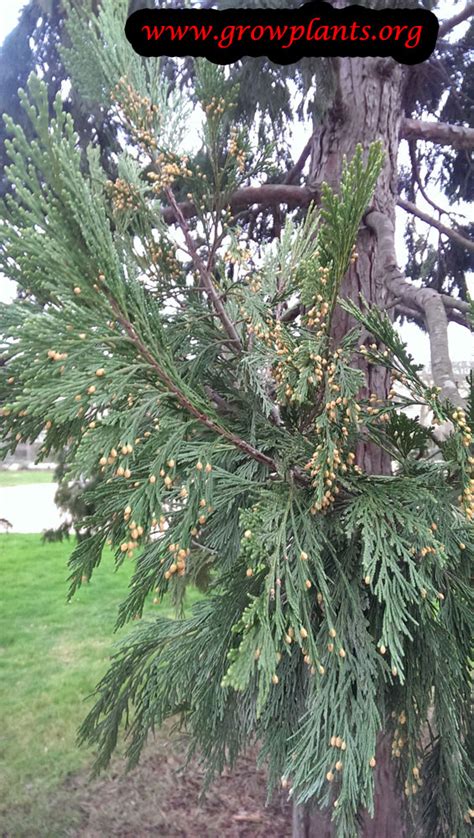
(417, 176)
(206, 278)
(428, 219)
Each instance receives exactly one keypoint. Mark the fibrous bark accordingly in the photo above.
(367, 107)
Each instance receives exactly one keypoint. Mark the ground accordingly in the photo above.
(158, 798)
(25, 478)
(51, 655)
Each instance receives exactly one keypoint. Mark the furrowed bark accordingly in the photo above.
(387, 806)
(310, 822)
(368, 107)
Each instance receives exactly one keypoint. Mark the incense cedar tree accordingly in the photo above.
(241, 391)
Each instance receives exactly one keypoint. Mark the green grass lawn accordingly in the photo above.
(23, 478)
(51, 656)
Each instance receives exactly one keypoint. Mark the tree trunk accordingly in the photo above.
(309, 822)
(367, 106)
(388, 820)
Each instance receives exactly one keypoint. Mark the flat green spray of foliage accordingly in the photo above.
(225, 432)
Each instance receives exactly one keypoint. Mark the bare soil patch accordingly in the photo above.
(160, 797)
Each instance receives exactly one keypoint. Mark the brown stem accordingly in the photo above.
(292, 313)
(403, 310)
(417, 178)
(295, 172)
(388, 820)
(270, 194)
(452, 302)
(182, 399)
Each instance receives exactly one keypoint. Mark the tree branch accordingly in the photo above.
(182, 398)
(403, 310)
(221, 404)
(292, 313)
(448, 25)
(294, 173)
(270, 194)
(452, 302)
(455, 317)
(417, 178)
(441, 133)
(207, 281)
(428, 219)
(428, 300)
(295, 471)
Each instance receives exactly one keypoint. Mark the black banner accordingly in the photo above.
(285, 35)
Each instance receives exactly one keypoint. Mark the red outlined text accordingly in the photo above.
(285, 36)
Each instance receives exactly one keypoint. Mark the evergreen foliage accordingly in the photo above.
(270, 96)
(226, 437)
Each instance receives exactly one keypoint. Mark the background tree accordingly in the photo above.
(274, 416)
(69, 497)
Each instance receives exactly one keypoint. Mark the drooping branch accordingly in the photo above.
(417, 177)
(448, 25)
(426, 299)
(408, 206)
(441, 133)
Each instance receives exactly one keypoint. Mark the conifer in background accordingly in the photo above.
(201, 374)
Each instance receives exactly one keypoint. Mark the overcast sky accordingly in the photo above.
(460, 344)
